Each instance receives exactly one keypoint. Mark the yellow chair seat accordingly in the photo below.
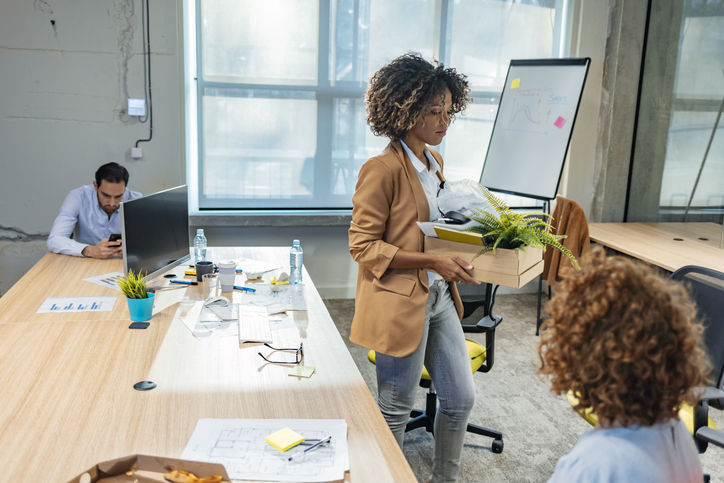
(475, 351)
(686, 414)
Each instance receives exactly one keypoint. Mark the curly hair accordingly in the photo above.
(624, 341)
(402, 92)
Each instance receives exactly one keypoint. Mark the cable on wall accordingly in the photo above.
(147, 69)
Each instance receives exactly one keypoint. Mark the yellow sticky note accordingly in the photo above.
(190, 271)
(284, 439)
(459, 236)
(302, 371)
(515, 84)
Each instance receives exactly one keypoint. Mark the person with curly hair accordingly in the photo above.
(625, 342)
(407, 307)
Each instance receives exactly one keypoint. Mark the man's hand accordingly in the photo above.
(452, 269)
(104, 249)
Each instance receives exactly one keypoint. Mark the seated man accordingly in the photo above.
(95, 209)
(626, 342)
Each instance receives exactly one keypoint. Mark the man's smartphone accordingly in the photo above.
(115, 237)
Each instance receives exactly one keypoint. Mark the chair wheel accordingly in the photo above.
(497, 446)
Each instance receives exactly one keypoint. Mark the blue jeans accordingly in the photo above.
(444, 353)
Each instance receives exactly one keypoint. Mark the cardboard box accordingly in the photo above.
(511, 268)
(147, 469)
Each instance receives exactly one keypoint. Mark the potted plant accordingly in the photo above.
(514, 231)
(140, 300)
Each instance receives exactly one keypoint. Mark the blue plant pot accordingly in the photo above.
(141, 309)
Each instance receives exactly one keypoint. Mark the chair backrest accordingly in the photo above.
(706, 287)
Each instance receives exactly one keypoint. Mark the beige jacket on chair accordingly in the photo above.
(390, 303)
(568, 219)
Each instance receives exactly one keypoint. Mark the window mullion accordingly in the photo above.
(325, 102)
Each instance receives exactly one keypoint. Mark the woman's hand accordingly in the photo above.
(452, 269)
(449, 267)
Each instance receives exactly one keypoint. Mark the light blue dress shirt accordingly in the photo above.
(662, 453)
(81, 207)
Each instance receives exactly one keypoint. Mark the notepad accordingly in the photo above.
(254, 324)
(459, 236)
(284, 439)
(302, 371)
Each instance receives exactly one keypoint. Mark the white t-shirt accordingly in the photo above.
(430, 184)
(662, 453)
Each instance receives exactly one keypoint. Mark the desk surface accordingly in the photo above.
(655, 243)
(68, 400)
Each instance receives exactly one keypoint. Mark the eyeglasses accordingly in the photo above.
(299, 355)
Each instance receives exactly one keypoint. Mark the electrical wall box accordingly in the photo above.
(137, 107)
(136, 153)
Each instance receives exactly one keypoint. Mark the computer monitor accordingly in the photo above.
(155, 230)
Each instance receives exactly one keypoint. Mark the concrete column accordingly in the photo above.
(657, 97)
(622, 66)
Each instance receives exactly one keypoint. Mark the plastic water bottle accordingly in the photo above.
(296, 259)
(199, 246)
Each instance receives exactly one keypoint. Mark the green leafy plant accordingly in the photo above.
(133, 285)
(514, 230)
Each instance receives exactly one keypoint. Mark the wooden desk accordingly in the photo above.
(67, 379)
(655, 243)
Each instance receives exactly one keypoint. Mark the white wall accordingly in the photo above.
(62, 110)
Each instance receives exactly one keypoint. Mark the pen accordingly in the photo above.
(314, 446)
(245, 289)
(184, 282)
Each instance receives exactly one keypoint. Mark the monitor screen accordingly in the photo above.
(155, 231)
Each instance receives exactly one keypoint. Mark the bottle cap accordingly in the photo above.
(200, 231)
(295, 243)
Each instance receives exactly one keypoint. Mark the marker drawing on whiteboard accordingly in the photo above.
(528, 115)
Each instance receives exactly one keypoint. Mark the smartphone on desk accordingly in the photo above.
(115, 237)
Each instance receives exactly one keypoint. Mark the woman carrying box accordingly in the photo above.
(407, 308)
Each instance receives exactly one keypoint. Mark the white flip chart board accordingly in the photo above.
(533, 127)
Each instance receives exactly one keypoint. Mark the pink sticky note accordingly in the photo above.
(559, 122)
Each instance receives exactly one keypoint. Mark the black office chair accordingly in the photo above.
(706, 288)
(482, 359)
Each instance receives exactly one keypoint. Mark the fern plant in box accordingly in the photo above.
(514, 230)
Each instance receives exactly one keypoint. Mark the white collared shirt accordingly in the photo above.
(430, 184)
(81, 207)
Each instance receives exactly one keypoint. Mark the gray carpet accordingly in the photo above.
(537, 426)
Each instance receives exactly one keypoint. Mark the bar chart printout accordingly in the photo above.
(77, 304)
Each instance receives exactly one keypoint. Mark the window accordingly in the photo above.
(279, 87)
(678, 161)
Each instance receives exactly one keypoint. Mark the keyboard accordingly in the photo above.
(254, 324)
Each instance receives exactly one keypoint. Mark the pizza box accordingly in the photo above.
(146, 469)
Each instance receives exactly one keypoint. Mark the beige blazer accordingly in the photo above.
(568, 219)
(390, 303)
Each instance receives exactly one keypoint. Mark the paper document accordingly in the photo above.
(288, 297)
(254, 324)
(205, 324)
(255, 266)
(428, 227)
(239, 445)
(108, 280)
(77, 304)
